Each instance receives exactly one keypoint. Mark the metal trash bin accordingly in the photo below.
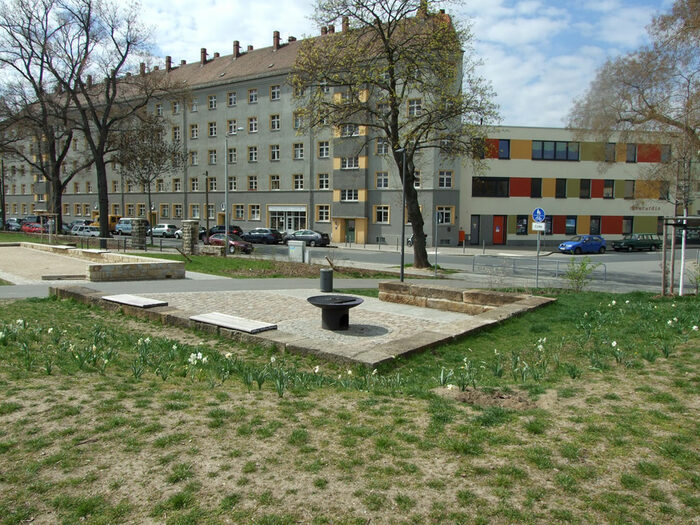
(326, 279)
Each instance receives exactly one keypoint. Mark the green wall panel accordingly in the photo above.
(619, 189)
(512, 223)
(593, 151)
(573, 188)
(645, 224)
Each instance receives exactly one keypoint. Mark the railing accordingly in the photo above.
(528, 265)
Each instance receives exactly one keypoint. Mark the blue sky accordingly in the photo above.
(538, 54)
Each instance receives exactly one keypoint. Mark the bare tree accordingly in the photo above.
(388, 52)
(143, 155)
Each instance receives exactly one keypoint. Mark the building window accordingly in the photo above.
(490, 186)
(629, 189)
(382, 180)
(194, 158)
(177, 185)
(610, 152)
(324, 181)
(232, 126)
(274, 182)
(165, 211)
(212, 129)
(129, 210)
(585, 189)
(560, 191)
(238, 212)
(416, 179)
(211, 182)
(254, 212)
(177, 211)
(521, 225)
(194, 131)
(554, 150)
(194, 184)
(115, 186)
(444, 214)
(415, 107)
(274, 152)
(194, 211)
(382, 147)
(252, 182)
(176, 107)
(381, 214)
(160, 185)
(211, 101)
(88, 187)
(627, 225)
(349, 195)
(194, 106)
(275, 92)
(232, 184)
(275, 124)
(324, 149)
(252, 96)
(595, 225)
(323, 213)
(349, 130)
(231, 98)
(176, 134)
(503, 149)
(159, 110)
(298, 181)
(631, 153)
(535, 188)
(210, 211)
(129, 187)
(608, 189)
(212, 156)
(66, 209)
(298, 150)
(298, 120)
(252, 154)
(232, 156)
(444, 179)
(571, 225)
(253, 125)
(665, 153)
(140, 210)
(349, 163)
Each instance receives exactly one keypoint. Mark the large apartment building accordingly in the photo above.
(238, 120)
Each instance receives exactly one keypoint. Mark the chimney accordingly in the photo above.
(217, 55)
(155, 68)
(292, 39)
(89, 81)
(331, 29)
(183, 62)
(168, 63)
(275, 40)
(346, 24)
(236, 49)
(250, 48)
(142, 68)
(324, 30)
(442, 11)
(203, 56)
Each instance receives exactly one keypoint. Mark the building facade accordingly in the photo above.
(240, 132)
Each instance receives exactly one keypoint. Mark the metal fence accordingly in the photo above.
(526, 266)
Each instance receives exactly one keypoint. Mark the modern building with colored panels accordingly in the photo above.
(583, 187)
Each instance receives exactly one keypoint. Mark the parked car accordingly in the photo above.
(80, 222)
(125, 225)
(263, 235)
(235, 243)
(164, 230)
(32, 227)
(220, 228)
(82, 230)
(583, 244)
(637, 241)
(13, 224)
(310, 237)
(202, 233)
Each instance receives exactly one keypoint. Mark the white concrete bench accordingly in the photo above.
(134, 300)
(234, 323)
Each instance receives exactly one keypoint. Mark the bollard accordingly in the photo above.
(326, 279)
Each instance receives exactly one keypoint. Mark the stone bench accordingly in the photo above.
(134, 300)
(232, 322)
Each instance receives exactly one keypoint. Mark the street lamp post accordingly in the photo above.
(403, 210)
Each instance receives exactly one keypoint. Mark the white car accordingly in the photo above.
(82, 230)
(164, 230)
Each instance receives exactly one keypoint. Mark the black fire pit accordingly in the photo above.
(335, 310)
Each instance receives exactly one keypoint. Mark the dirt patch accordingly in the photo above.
(473, 396)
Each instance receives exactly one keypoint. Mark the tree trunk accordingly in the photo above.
(55, 200)
(415, 217)
(103, 199)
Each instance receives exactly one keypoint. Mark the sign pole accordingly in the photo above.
(537, 265)
(538, 216)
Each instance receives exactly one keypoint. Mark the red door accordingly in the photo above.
(499, 232)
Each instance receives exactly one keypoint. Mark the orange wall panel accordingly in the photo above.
(549, 188)
(521, 149)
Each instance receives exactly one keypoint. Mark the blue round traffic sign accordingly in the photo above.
(538, 215)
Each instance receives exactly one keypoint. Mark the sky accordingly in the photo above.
(538, 55)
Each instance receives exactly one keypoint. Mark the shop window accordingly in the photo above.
(571, 225)
(536, 188)
(585, 189)
(521, 225)
(560, 192)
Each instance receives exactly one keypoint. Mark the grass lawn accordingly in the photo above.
(585, 411)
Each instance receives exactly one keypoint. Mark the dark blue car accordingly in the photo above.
(583, 244)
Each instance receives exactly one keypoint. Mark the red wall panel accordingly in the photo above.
(559, 224)
(611, 224)
(597, 186)
(648, 153)
(520, 186)
(491, 148)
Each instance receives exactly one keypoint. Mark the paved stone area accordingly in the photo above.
(25, 266)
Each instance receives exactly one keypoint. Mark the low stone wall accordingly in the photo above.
(471, 302)
(111, 266)
(207, 249)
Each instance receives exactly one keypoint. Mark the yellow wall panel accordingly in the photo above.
(549, 188)
(364, 95)
(583, 224)
(336, 195)
(362, 130)
(646, 189)
(521, 149)
(361, 195)
(361, 230)
(362, 162)
(338, 232)
(620, 152)
(336, 163)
